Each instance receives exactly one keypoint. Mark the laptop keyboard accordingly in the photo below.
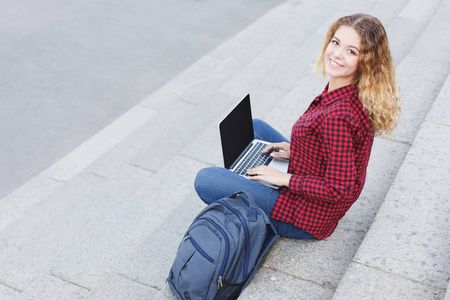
(254, 159)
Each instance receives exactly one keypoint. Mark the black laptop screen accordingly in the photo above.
(236, 131)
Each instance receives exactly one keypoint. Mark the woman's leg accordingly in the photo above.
(215, 183)
(265, 132)
(290, 231)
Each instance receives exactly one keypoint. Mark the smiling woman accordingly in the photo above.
(378, 90)
(330, 143)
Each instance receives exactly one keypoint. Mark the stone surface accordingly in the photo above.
(364, 282)
(322, 262)
(118, 287)
(420, 85)
(92, 149)
(26, 197)
(447, 294)
(129, 225)
(151, 261)
(270, 284)
(381, 173)
(48, 286)
(111, 231)
(438, 112)
(166, 294)
(410, 235)
(21, 235)
(7, 292)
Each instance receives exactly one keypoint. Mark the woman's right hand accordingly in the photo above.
(275, 149)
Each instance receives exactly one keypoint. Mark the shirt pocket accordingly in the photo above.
(304, 128)
(307, 142)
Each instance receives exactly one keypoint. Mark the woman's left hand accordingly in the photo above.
(270, 175)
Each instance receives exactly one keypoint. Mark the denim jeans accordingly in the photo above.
(215, 183)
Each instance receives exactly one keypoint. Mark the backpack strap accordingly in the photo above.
(253, 213)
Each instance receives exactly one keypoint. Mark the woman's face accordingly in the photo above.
(342, 55)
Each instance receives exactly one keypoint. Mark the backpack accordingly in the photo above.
(221, 249)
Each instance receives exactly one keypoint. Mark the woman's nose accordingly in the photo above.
(338, 53)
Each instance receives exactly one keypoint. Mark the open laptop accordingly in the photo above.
(240, 150)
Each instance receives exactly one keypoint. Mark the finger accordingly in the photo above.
(253, 178)
(273, 147)
(268, 148)
(251, 172)
(285, 146)
(256, 171)
(280, 155)
(277, 154)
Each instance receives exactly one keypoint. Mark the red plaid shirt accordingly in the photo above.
(330, 150)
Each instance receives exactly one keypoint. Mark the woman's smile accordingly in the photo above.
(335, 63)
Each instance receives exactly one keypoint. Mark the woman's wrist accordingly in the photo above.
(287, 180)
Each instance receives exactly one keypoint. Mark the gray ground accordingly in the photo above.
(105, 221)
(68, 69)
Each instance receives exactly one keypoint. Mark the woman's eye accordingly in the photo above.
(351, 52)
(335, 42)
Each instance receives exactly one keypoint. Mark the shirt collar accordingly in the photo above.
(328, 97)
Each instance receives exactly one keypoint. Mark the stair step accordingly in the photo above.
(41, 187)
(272, 284)
(150, 262)
(129, 225)
(157, 142)
(405, 252)
(26, 197)
(98, 232)
(64, 220)
(47, 286)
(421, 82)
(447, 294)
(361, 281)
(23, 232)
(333, 265)
(406, 246)
(118, 287)
(77, 160)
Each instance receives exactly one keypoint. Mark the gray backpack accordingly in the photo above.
(221, 249)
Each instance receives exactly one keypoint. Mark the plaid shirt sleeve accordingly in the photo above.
(338, 182)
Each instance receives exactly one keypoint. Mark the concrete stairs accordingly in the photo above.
(105, 221)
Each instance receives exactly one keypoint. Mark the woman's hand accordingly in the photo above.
(270, 175)
(285, 147)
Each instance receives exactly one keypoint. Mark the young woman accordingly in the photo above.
(331, 143)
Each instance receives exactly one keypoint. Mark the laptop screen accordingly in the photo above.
(236, 131)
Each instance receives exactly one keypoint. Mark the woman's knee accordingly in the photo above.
(258, 124)
(202, 179)
(206, 183)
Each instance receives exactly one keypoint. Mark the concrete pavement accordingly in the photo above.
(95, 59)
(105, 221)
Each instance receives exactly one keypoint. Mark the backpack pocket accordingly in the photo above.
(196, 262)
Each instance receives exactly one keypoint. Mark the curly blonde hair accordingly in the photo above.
(378, 90)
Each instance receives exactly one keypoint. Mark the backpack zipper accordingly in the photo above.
(227, 250)
(246, 233)
(199, 249)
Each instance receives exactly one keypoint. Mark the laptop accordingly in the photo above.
(240, 150)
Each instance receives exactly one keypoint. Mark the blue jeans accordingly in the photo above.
(215, 183)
